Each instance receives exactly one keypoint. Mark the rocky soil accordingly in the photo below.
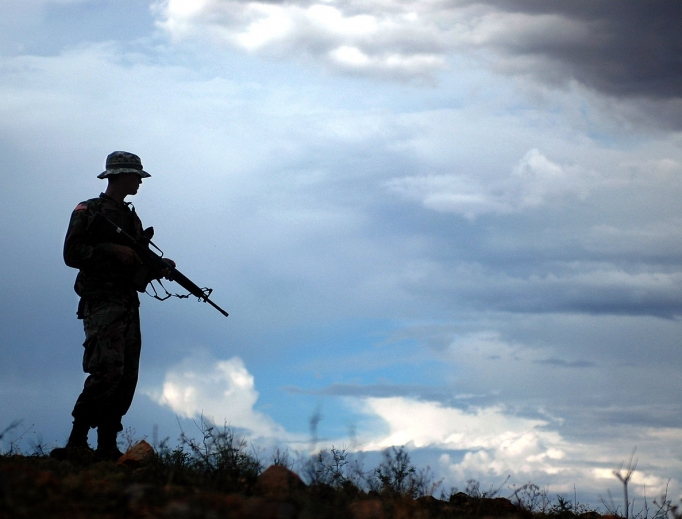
(138, 486)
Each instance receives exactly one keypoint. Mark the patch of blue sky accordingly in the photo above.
(347, 359)
(69, 24)
(361, 351)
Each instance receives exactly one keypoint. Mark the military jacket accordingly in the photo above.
(88, 248)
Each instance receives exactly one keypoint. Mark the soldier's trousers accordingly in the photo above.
(111, 359)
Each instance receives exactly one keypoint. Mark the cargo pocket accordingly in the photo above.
(91, 354)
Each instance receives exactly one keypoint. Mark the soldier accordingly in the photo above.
(109, 308)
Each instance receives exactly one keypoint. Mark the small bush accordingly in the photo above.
(336, 468)
(396, 475)
(531, 498)
(282, 459)
(219, 460)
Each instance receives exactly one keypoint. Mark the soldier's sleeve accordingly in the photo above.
(79, 252)
(137, 226)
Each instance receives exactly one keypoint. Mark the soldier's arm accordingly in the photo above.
(79, 253)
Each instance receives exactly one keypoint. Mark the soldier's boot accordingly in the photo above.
(77, 448)
(107, 449)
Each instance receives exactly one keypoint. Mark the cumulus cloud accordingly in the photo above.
(425, 424)
(222, 391)
(533, 182)
(494, 439)
(370, 38)
(493, 442)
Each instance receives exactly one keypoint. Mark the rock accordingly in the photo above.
(459, 499)
(278, 482)
(405, 508)
(266, 508)
(502, 505)
(367, 509)
(136, 455)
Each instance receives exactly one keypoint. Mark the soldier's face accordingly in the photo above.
(131, 183)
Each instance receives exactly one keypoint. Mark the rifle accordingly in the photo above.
(154, 263)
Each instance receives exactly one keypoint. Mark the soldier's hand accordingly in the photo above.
(125, 254)
(166, 273)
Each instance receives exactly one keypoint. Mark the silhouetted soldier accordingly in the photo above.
(109, 307)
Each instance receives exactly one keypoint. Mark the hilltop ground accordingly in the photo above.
(40, 487)
(218, 476)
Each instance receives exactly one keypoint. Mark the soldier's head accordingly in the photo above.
(124, 172)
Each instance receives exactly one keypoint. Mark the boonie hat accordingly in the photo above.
(123, 162)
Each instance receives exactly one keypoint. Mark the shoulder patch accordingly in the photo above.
(81, 207)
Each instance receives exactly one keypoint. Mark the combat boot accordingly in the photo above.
(107, 449)
(77, 448)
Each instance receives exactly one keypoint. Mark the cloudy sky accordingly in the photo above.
(451, 225)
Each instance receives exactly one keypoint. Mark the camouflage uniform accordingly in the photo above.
(109, 307)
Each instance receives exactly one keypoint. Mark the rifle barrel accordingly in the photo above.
(216, 307)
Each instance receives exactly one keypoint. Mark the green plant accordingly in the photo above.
(13, 444)
(282, 458)
(335, 467)
(396, 475)
(220, 457)
(473, 489)
(531, 498)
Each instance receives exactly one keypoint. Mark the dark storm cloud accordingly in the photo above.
(608, 418)
(577, 296)
(378, 391)
(631, 49)
(626, 50)
(553, 361)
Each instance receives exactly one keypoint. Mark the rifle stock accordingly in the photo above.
(157, 264)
